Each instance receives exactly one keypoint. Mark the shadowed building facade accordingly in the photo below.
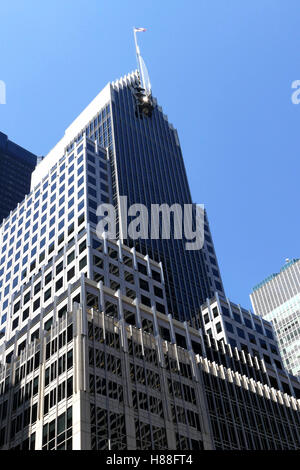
(16, 167)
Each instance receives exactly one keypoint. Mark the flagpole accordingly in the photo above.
(138, 55)
(136, 43)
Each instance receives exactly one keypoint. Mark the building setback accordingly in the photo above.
(234, 325)
(92, 354)
(277, 299)
(16, 166)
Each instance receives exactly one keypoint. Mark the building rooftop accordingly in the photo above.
(272, 276)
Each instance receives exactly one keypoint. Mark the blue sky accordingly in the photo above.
(222, 70)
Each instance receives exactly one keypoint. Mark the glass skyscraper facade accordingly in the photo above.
(16, 166)
(148, 168)
(95, 349)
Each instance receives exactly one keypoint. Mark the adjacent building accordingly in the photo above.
(277, 299)
(234, 325)
(16, 167)
(102, 343)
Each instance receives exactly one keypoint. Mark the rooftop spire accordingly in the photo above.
(145, 80)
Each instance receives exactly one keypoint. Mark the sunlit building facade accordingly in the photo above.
(277, 299)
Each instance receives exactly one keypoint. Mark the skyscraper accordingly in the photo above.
(277, 299)
(148, 168)
(92, 356)
(16, 166)
(146, 165)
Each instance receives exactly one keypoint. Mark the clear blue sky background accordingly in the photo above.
(222, 70)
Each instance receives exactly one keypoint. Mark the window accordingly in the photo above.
(128, 277)
(147, 325)
(263, 344)
(98, 262)
(142, 269)
(82, 247)
(158, 292)
(127, 261)
(59, 284)
(237, 317)
(144, 285)
(240, 332)
(129, 317)
(48, 278)
(215, 312)
(269, 333)
(111, 309)
(113, 254)
(229, 327)
(59, 268)
(273, 349)
(232, 343)
(36, 304)
(70, 274)
(37, 288)
(25, 314)
(252, 338)
(47, 325)
(156, 276)
(71, 257)
(130, 293)
(80, 219)
(98, 277)
(180, 340)
(146, 301)
(258, 328)
(225, 311)
(62, 311)
(165, 333)
(82, 263)
(15, 323)
(71, 229)
(267, 359)
(160, 307)
(47, 294)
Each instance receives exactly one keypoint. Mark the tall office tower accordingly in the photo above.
(91, 356)
(277, 299)
(147, 167)
(16, 166)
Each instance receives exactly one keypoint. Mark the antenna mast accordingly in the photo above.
(141, 64)
(143, 93)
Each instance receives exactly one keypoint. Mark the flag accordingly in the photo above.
(139, 30)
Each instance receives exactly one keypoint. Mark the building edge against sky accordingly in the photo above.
(277, 299)
(92, 355)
